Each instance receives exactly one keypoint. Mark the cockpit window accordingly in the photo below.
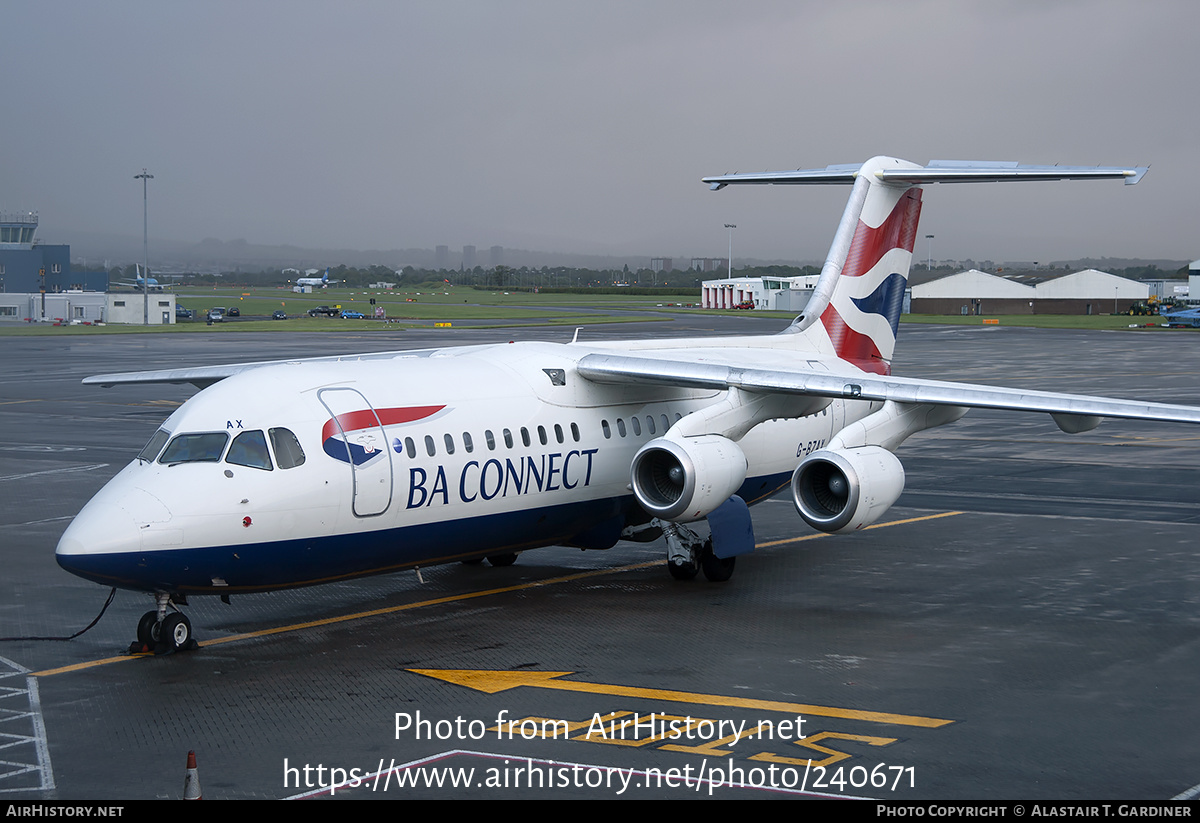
(288, 453)
(250, 449)
(155, 445)
(195, 448)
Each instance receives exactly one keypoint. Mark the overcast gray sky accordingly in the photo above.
(586, 126)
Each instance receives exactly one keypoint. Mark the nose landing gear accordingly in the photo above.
(161, 633)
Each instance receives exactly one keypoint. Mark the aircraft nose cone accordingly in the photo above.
(110, 531)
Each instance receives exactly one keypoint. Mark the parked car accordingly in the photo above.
(234, 311)
(183, 314)
(323, 311)
(353, 315)
(279, 314)
(216, 315)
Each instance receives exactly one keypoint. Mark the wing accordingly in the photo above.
(204, 376)
(1072, 412)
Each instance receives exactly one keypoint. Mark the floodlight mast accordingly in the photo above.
(729, 262)
(144, 177)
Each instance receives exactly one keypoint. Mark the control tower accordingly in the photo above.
(24, 262)
(17, 230)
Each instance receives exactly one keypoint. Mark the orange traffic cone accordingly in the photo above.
(191, 783)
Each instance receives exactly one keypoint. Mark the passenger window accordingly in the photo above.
(575, 432)
(525, 436)
(542, 435)
(195, 448)
(650, 423)
(606, 429)
(151, 449)
(558, 434)
(288, 454)
(429, 445)
(410, 448)
(508, 441)
(449, 443)
(250, 449)
(490, 438)
(637, 426)
(620, 427)
(468, 444)
(666, 423)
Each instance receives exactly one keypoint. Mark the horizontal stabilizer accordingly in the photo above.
(938, 171)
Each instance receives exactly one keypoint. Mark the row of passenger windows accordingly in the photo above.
(635, 423)
(409, 446)
(249, 448)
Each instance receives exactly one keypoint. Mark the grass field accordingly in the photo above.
(443, 303)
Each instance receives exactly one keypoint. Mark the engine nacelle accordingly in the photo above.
(846, 489)
(684, 480)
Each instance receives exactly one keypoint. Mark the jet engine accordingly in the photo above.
(846, 489)
(686, 479)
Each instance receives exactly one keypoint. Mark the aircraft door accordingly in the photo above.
(355, 435)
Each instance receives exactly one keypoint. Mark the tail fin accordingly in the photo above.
(858, 298)
(861, 290)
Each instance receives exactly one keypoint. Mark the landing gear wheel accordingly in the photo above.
(176, 632)
(148, 630)
(716, 569)
(682, 571)
(502, 559)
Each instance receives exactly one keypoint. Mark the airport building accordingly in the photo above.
(969, 292)
(38, 285)
(74, 306)
(27, 265)
(976, 293)
(776, 293)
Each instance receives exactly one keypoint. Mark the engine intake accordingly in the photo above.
(684, 480)
(845, 490)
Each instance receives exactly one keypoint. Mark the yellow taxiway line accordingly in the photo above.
(491, 682)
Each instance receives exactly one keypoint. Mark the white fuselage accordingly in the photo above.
(407, 461)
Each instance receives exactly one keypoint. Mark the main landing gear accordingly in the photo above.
(163, 633)
(688, 553)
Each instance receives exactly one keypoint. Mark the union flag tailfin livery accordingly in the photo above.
(286, 474)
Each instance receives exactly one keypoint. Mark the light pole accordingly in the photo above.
(729, 262)
(145, 250)
(929, 252)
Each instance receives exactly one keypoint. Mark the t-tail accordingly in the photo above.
(860, 294)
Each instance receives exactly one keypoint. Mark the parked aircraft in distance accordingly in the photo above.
(323, 281)
(294, 473)
(141, 282)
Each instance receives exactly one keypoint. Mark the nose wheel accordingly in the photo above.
(163, 633)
